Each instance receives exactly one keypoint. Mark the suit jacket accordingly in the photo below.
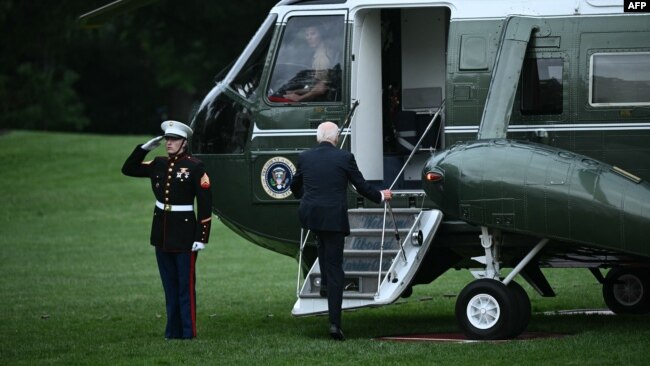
(321, 183)
(175, 181)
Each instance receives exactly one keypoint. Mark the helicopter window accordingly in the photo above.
(542, 86)
(620, 79)
(248, 78)
(309, 64)
(221, 127)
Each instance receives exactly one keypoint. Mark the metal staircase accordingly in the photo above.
(366, 282)
(373, 240)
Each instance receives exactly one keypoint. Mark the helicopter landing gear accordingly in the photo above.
(487, 309)
(492, 307)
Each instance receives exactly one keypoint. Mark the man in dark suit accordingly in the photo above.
(176, 232)
(321, 183)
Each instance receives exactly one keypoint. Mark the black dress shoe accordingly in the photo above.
(336, 333)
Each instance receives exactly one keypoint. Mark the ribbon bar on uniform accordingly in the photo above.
(162, 206)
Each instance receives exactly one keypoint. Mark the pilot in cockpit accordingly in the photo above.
(309, 65)
(321, 63)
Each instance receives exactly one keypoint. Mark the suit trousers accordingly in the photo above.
(330, 258)
(177, 272)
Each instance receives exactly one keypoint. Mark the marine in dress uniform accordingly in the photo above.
(321, 183)
(177, 232)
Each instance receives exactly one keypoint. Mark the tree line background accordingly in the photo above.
(125, 76)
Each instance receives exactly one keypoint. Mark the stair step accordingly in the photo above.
(374, 218)
(346, 295)
(371, 243)
(396, 211)
(369, 274)
(355, 283)
(377, 222)
(356, 264)
(390, 232)
(359, 253)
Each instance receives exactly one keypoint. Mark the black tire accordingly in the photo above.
(486, 309)
(523, 308)
(627, 290)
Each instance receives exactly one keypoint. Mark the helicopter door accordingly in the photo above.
(366, 88)
(398, 76)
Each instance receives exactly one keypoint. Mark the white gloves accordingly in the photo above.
(152, 144)
(197, 246)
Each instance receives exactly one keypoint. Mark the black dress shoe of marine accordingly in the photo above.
(336, 333)
(323, 292)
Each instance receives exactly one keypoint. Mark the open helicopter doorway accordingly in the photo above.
(398, 77)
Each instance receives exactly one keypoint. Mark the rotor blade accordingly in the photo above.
(100, 15)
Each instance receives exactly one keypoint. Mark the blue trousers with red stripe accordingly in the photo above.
(178, 275)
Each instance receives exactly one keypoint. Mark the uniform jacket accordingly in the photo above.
(321, 183)
(175, 181)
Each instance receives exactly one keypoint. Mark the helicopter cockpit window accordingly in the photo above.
(248, 78)
(223, 122)
(542, 86)
(309, 64)
(620, 78)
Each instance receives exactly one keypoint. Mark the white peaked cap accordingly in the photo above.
(176, 129)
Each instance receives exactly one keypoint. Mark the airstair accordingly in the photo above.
(398, 241)
(381, 255)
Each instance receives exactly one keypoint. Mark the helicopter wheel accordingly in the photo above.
(627, 291)
(523, 305)
(486, 309)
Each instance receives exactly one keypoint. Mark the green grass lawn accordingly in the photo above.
(79, 285)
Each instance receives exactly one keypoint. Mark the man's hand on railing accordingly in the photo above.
(387, 194)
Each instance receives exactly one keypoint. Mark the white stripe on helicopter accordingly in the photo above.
(474, 129)
(289, 132)
(568, 127)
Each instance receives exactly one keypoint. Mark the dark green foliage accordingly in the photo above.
(137, 69)
(41, 99)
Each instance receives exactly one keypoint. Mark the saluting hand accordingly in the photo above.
(152, 144)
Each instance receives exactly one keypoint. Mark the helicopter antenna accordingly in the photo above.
(348, 121)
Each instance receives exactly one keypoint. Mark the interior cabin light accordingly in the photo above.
(434, 176)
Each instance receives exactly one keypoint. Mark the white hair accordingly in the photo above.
(327, 131)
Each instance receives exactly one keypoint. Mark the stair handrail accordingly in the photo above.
(416, 222)
(388, 207)
(381, 250)
(302, 246)
(417, 146)
(348, 122)
(399, 241)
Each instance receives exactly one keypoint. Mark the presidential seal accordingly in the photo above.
(276, 176)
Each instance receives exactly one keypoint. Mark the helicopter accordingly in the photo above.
(512, 134)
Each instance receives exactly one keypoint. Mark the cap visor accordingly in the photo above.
(174, 136)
